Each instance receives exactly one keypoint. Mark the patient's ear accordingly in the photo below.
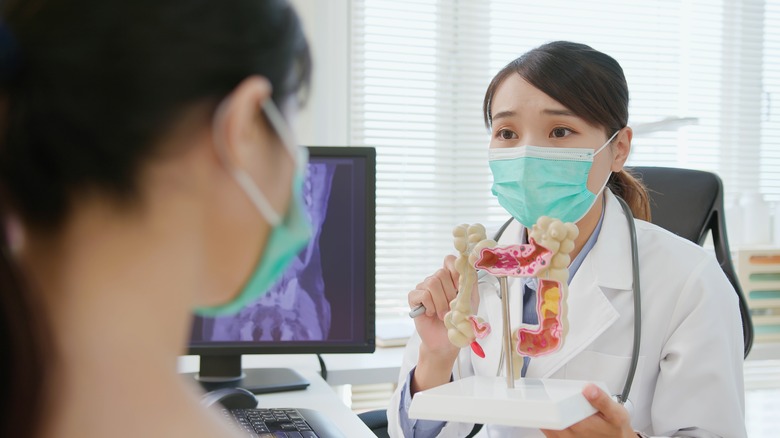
(621, 148)
(240, 131)
(246, 141)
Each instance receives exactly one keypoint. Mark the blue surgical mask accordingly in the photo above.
(533, 181)
(289, 233)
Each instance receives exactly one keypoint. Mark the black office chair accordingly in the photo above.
(689, 203)
(376, 421)
(686, 202)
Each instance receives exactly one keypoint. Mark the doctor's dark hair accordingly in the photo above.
(589, 83)
(88, 91)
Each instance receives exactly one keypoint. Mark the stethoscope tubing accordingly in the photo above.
(637, 302)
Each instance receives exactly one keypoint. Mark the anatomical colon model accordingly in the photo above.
(545, 257)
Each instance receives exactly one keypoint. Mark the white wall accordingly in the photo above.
(324, 120)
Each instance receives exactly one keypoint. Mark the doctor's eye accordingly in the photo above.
(505, 134)
(560, 132)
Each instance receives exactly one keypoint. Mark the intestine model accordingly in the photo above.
(463, 327)
(545, 257)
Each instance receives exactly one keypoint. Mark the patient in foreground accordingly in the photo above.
(145, 172)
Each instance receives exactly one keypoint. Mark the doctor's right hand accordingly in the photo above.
(435, 293)
(437, 354)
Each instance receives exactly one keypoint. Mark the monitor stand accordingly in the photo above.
(225, 372)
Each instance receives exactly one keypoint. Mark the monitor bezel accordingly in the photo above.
(368, 154)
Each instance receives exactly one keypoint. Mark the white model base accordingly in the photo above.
(535, 403)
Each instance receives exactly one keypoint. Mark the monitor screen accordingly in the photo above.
(324, 302)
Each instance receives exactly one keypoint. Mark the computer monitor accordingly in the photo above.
(324, 302)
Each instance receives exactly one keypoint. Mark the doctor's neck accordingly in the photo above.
(588, 224)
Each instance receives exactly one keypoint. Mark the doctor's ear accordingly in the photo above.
(240, 128)
(621, 147)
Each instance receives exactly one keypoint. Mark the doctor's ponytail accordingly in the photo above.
(589, 83)
(631, 189)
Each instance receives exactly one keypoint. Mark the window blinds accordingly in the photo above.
(770, 104)
(419, 70)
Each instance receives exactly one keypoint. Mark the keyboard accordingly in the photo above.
(282, 423)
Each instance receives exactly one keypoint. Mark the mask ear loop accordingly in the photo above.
(607, 143)
(239, 175)
(285, 134)
(596, 153)
(299, 154)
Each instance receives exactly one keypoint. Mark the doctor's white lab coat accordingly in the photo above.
(689, 381)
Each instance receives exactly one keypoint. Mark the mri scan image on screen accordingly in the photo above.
(320, 302)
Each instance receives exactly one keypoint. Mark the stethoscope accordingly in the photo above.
(621, 398)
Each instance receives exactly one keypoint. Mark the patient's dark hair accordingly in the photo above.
(589, 83)
(87, 90)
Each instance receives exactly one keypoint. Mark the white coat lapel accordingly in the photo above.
(589, 312)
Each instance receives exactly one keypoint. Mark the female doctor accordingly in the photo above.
(688, 379)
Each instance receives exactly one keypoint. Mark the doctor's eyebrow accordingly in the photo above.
(558, 112)
(547, 111)
(503, 114)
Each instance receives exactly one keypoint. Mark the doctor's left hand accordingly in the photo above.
(611, 420)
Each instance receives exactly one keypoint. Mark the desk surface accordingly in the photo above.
(318, 396)
(384, 366)
(343, 369)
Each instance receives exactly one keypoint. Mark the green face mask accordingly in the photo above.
(533, 181)
(289, 233)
